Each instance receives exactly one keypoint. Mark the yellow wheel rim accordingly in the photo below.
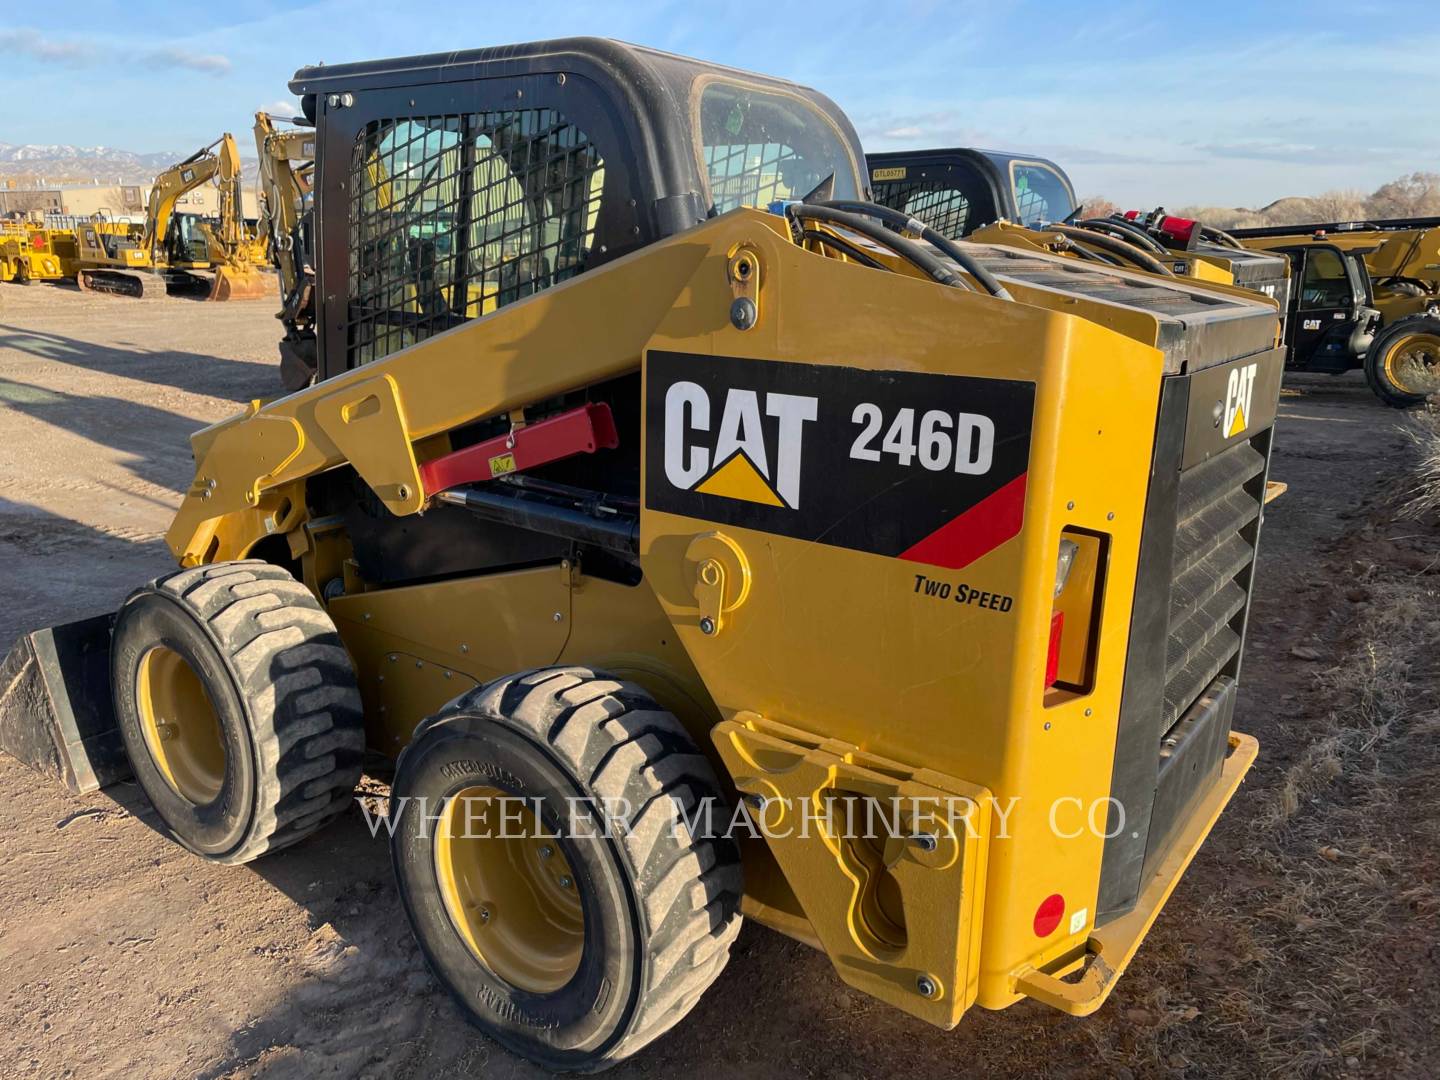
(1412, 364)
(508, 890)
(182, 731)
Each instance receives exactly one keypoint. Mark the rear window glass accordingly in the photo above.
(759, 147)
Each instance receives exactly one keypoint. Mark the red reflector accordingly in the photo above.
(1052, 660)
(1049, 914)
(37, 241)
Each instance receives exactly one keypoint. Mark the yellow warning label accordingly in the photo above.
(501, 464)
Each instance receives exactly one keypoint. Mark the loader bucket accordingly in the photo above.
(240, 283)
(55, 707)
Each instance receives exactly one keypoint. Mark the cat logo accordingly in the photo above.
(1239, 390)
(731, 458)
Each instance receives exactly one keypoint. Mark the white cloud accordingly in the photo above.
(175, 56)
(34, 44)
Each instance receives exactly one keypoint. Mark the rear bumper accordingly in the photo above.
(1109, 948)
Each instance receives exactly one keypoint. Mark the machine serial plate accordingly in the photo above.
(925, 467)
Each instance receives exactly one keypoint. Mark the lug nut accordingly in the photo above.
(565, 883)
(926, 986)
(546, 851)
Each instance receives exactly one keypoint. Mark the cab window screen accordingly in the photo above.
(1040, 195)
(454, 216)
(944, 208)
(759, 148)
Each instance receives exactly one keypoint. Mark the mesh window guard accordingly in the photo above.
(944, 209)
(748, 174)
(454, 216)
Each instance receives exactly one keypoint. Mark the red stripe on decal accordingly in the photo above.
(978, 531)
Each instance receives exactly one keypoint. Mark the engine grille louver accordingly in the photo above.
(1213, 550)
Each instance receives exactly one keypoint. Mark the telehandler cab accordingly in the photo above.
(696, 560)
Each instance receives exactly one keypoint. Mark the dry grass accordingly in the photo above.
(1314, 947)
(1345, 848)
(1424, 502)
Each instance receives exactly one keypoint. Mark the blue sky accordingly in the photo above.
(1221, 102)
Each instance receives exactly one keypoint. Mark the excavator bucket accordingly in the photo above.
(55, 707)
(241, 283)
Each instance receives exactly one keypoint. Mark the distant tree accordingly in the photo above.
(1098, 206)
(1416, 195)
(1340, 205)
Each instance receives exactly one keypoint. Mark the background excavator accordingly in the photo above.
(160, 255)
(287, 168)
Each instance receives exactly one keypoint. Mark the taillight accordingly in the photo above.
(1075, 615)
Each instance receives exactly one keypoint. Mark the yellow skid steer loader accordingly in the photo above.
(700, 548)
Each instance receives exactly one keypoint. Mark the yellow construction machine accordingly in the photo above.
(25, 256)
(284, 228)
(1024, 200)
(169, 252)
(1370, 298)
(698, 547)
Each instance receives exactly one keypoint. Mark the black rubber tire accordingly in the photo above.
(661, 906)
(284, 692)
(1375, 375)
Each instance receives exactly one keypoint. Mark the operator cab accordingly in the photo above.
(466, 181)
(1332, 312)
(959, 190)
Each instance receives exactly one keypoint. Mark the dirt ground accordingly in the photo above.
(1305, 940)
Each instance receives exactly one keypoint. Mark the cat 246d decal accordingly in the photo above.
(924, 467)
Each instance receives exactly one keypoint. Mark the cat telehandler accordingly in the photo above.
(697, 546)
(1370, 295)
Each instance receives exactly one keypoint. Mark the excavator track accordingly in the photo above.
(141, 286)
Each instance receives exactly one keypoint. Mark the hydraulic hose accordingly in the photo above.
(909, 251)
(1129, 252)
(898, 221)
(1141, 237)
(843, 246)
(1219, 236)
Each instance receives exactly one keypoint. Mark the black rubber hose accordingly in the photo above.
(911, 252)
(1129, 252)
(1219, 236)
(1080, 251)
(1141, 237)
(898, 220)
(844, 246)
